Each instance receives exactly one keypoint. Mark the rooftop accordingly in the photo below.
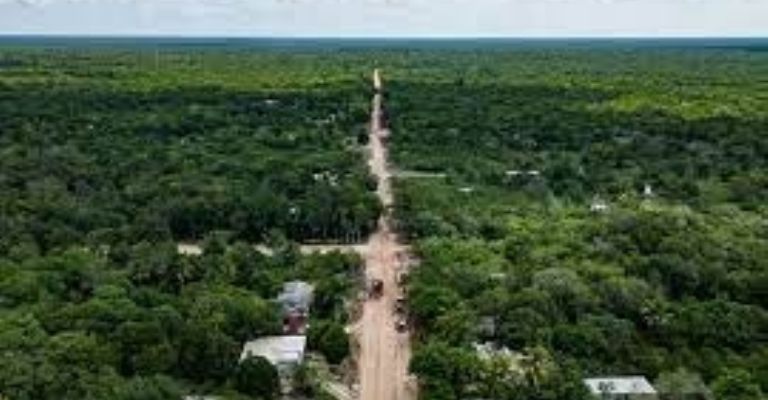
(277, 349)
(296, 296)
(619, 385)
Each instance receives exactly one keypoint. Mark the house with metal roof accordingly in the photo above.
(295, 301)
(286, 353)
(296, 296)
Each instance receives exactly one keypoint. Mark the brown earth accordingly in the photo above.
(384, 352)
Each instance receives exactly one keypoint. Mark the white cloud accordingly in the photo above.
(387, 17)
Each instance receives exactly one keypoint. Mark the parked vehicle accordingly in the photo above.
(401, 325)
(400, 305)
(375, 288)
(402, 278)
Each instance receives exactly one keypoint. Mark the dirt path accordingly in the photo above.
(384, 352)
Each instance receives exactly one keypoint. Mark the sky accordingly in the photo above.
(387, 18)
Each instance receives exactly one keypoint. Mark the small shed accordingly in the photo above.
(621, 388)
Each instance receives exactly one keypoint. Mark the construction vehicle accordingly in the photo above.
(375, 288)
(402, 278)
(400, 305)
(401, 325)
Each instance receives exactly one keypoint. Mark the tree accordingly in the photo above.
(520, 326)
(567, 289)
(455, 326)
(205, 353)
(429, 302)
(437, 390)
(144, 348)
(329, 338)
(737, 384)
(257, 377)
(628, 297)
(682, 384)
(538, 366)
(442, 366)
(78, 350)
(148, 388)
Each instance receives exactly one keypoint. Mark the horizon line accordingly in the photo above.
(373, 37)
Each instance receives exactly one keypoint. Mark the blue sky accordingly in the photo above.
(387, 17)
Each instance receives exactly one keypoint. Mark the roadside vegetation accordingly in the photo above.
(595, 211)
(111, 157)
(603, 213)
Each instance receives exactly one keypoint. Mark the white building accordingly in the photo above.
(189, 249)
(284, 352)
(647, 191)
(621, 388)
(517, 172)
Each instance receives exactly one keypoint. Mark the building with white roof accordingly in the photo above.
(621, 388)
(284, 352)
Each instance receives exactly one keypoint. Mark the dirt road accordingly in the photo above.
(384, 352)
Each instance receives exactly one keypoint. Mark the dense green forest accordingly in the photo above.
(597, 210)
(602, 212)
(105, 147)
(110, 157)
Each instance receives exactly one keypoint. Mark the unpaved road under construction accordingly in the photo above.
(384, 352)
